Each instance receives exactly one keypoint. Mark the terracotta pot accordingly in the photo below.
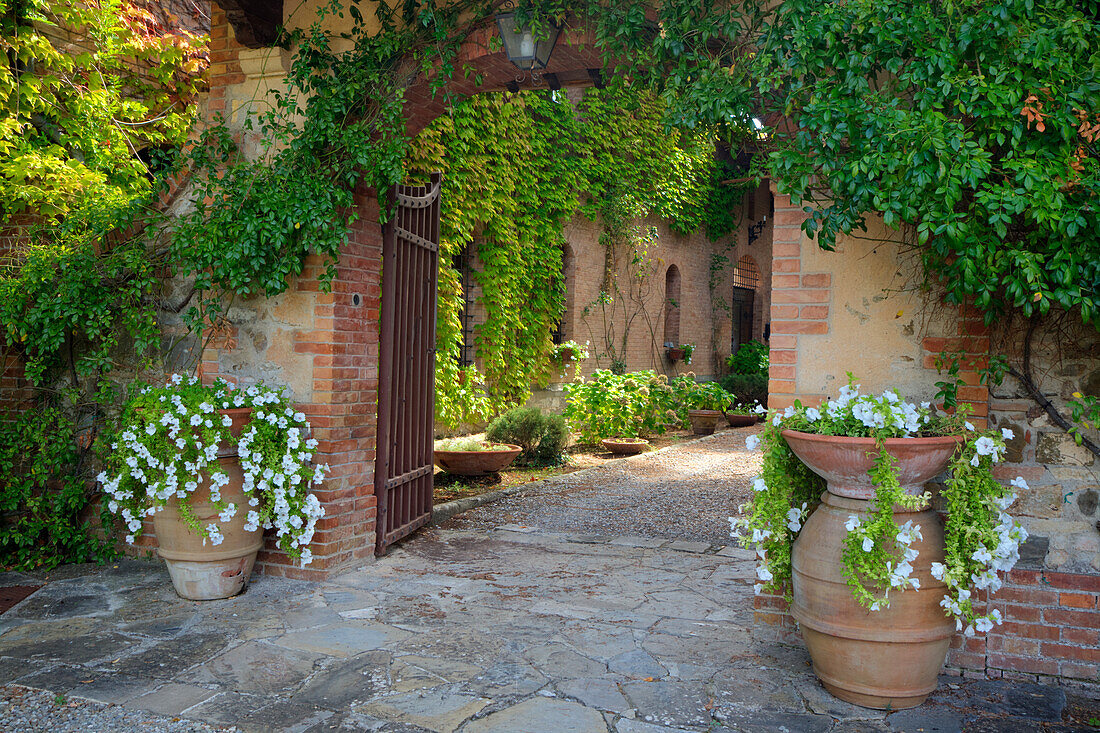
(844, 462)
(888, 659)
(205, 572)
(704, 422)
(624, 447)
(740, 421)
(476, 462)
(675, 354)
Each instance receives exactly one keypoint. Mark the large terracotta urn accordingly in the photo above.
(200, 570)
(887, 659)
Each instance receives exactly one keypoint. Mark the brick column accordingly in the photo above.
(800, 304)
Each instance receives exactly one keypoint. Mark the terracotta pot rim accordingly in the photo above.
(505, 448)
(233, 410)
(706, 413)
(935, 440)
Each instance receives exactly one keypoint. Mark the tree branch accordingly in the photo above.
(1025, 378)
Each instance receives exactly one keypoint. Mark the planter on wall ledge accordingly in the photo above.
(704, 422)
(740, 421)
(202, 571)
(888, 659)
(477, 462)
(675, 354)
(625, 446)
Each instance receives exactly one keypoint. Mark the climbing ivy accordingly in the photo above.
(516, 168)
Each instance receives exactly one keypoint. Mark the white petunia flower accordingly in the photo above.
(868, 544)
(752, 442)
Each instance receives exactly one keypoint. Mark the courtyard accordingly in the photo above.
(515, 617)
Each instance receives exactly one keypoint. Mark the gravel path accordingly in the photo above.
(25, 709)
(684, 492)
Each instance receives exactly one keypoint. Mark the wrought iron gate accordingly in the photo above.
(406, 384)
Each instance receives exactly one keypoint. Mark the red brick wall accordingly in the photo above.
(800, 304)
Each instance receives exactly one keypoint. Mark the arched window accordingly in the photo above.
(564, 330)
(746, 281)
(672, 306)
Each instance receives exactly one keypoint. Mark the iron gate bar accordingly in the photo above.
(415, 239)
(406, 391)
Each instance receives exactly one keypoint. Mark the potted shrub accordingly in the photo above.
(625, 446)
(707, 401)
(213, 467)
(741, 415)
(635, 405)
(679, 352)
(843, 525)
(568, 352)
(472, 457)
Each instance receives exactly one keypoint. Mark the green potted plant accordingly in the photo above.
(843, 526)
(473, 457)
(568, 352)
(213, 467)
(706, 403)
(679, 352)
(740, 414)
(614, 406)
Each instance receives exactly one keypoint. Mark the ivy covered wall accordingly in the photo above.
(517, 168)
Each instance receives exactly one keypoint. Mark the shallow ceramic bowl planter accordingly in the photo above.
(625, 446)
(704, 422)
(887, 659)
(477, 462)
(740, 421)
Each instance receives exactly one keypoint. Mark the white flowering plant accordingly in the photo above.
(167, 447)
(981, 538)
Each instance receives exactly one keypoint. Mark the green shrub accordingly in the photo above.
(751, 358)
(747, 388)
(465, 444)
(709, 396)
(631, 405)
(45, 499)
(542, 437)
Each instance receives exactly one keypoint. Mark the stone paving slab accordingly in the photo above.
(468, 632)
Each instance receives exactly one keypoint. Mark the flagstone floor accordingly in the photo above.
(506, 630)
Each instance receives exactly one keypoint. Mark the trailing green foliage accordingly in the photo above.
(84, 87)
(972, 126)
(45, 499)
(516, 169)
(542, 437)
